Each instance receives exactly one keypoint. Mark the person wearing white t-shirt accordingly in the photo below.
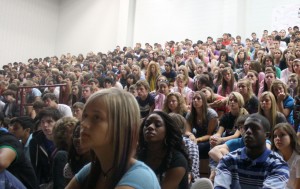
(50, 100)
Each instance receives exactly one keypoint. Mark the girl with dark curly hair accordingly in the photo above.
(161, 147)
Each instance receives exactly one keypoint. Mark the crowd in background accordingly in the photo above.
(205, 85)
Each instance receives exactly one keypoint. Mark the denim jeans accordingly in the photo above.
(9, 181)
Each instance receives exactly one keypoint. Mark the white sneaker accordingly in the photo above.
(202, 183)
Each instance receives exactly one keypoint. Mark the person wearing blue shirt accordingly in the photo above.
(253, 166)
(22, 128)
(285, 103)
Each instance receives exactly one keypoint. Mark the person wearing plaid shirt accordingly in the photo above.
(253, 166)
(193, 152)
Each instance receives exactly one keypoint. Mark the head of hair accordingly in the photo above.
(13, 87)
(256, 66)
(193, 115)
(124, 120)
(185, 72)
(9, 92)
(181, 108)
(278, 83)
(263, 121)
(50, 112)
(62, 132)
(79, 105)
(24, 121)
(224, 82)
(240, 101)
(294, 141)
(241, 119)
(248, 84)
(173, 140)
(213, 96)
(180, 120)
(204, 80)
(273, 106)
(270, 57)
(149, 72)
(143, 83)
(50, 96)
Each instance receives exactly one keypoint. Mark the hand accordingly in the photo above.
(193, 138)
(217, 103)
(215, 140)
(281, 96)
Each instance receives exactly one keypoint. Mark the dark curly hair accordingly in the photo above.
(173, 140)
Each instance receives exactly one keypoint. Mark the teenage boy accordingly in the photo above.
(145, 99)
(14, 164)
(22, 128)
(253, 166)
(41, 146)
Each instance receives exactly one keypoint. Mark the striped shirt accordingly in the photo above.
(237, 171)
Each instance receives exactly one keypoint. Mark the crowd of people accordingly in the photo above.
(145, 117)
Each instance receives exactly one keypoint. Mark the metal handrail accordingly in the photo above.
(21, 92)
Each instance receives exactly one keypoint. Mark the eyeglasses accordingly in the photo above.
(277, 53)
(233, 100)
(162, 80)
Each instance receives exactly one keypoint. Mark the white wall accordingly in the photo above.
(39, 28)
(161, 20)
(91, 25)
(27, 29)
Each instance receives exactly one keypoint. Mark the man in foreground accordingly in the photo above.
(253, 166)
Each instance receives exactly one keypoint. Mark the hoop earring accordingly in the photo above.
(166, 144)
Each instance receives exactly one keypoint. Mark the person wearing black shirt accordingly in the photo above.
(12, 159)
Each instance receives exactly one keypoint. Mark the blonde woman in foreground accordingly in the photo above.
(110, 127)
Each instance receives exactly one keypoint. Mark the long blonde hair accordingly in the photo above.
(240, 101)
(123, 120)
(248, 84)
(273, 107)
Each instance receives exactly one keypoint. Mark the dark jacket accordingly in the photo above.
(14, 110)
(40, 158)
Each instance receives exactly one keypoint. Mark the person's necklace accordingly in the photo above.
(105, 174)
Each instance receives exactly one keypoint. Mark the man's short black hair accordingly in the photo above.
(263, 120)
(24, 121)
